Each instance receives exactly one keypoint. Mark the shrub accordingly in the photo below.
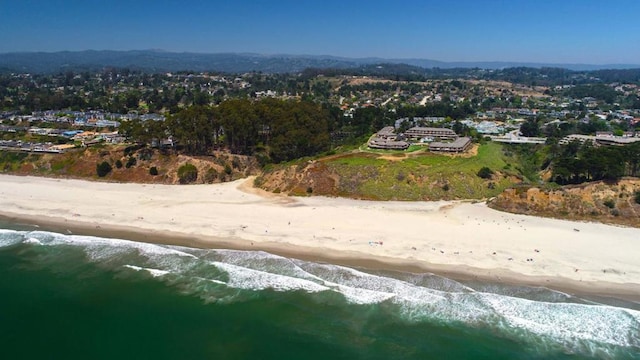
(145, 154)
(609, 203)
(445, 187)
(118, 164)
(103, 168)
(637, 197)
(485, 173)
(130, 162)
(211, 175)
(153, 171)
(309, 190)
(187, 173)
(227, 169)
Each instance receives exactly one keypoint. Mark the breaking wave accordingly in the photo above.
(555, 318)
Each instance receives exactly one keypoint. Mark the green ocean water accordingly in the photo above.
(68, 297)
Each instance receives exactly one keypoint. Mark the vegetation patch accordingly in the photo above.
(187, 173)
(426, 176)
(103, 169)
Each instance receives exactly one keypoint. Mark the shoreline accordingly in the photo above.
(242, 213)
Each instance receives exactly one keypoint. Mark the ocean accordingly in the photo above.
(66, 296)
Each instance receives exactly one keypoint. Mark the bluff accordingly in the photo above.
(608, 202)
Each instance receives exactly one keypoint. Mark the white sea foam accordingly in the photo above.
(213, 273)
(568, 321)
(32, 241)
(10, 237)
(153, 272)
(244, 278)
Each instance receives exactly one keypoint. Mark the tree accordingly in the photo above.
(195, 128)
(530, 128)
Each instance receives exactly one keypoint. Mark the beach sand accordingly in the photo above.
(457, 239)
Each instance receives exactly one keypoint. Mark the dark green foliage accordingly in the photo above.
(227, 169)
(446, 187)
(530, 128)
(103, 168)
(133, 148)
(145, 154)
(130, 162)
(285, 129)
(153, 171)
(118, 164)
(485, 173)
(9, 156)
(293, 129)
(609, 203)
(598, 91)
(579, 163)
(637, 197)
(211, 175)
(197, 128)
(187, 173)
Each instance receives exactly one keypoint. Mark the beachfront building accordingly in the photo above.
(457, 146)
(385, 144)
(387, 139)
(387, 132)
(417, 133)
(448, 140)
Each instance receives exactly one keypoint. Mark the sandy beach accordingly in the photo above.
(467, 240)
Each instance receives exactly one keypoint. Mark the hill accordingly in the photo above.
(163, 61)
(387, 175)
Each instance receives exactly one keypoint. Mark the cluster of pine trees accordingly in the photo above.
(274, 130)
(577, 163)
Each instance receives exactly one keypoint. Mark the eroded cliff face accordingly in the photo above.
(81, 164)
(599, 201)
(305, 179)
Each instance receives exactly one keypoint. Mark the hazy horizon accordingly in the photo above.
(321, 55)
(545, 31)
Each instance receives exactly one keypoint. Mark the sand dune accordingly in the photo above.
(455, 237)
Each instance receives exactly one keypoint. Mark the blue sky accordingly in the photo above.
(551, 31)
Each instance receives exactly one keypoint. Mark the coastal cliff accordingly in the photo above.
(421, 176)
(613, 203)
(134, 164)
(355, 175)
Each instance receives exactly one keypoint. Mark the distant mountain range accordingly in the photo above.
(162, 61)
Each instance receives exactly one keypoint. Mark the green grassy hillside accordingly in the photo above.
(396, 176)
